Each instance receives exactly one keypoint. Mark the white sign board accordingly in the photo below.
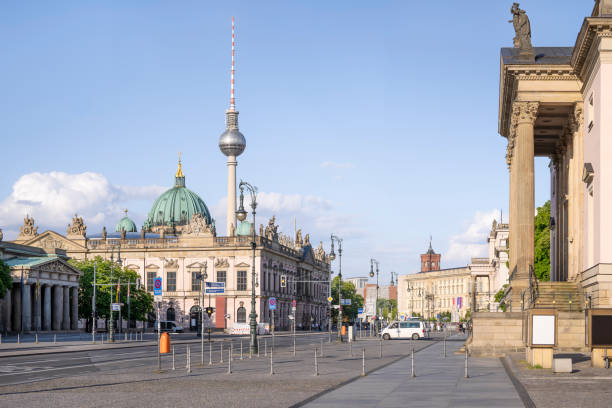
(543, 330)
(157, 298)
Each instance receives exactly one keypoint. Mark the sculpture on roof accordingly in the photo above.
(307, 240)
(103, 232)
(28, 230)
(298, 238)
(199, 225)
(272, 229)
(1, 235)
(320, 252)
(522, 29)
(78, 227)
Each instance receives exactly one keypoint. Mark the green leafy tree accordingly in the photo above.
(541, 265)
(349, 312)
(6, 282)
(141, 302)
(388, 307)
(499, 296)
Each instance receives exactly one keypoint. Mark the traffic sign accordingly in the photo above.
(293, 303)
(157, 286)
(360, 310)
(116, 307)
(272, 303)
(157, 298)
(346, 301)
(215, 287)
(329, 299)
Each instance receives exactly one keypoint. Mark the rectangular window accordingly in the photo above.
(590, 112)
(241, 280)
(171, 281)
(221, 276)
(196, 284)
(150, 278)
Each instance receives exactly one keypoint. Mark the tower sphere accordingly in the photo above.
(232, 142)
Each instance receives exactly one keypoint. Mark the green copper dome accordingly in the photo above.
(176, 206)
(244, 228)
(127, 224)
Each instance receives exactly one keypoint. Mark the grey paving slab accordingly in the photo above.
(440, 382)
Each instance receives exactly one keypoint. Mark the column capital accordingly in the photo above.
(524, 112)
(576, 118)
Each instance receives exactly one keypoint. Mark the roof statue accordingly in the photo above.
(28, 230)
(298, 238)
(307, 240)
(602, 8)
(272, 229)
(103, 232)
(522, 29)
(77, 227)
(320, 252)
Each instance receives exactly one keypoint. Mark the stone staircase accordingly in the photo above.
(562, 296)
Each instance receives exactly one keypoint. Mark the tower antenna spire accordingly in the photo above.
(232, 96)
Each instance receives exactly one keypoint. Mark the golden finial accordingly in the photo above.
(125, 211)
(179, 172)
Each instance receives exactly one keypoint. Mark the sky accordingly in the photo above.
(375, 121)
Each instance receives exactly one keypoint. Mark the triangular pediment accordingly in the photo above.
(242, 265)
(196, 265)
(43, 268)
(50, 240)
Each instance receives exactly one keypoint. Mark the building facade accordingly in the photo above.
(45, 293)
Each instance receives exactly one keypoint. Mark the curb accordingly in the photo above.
(518, 386)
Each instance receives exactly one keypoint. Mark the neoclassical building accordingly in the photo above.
(44, 296)
(179, 241)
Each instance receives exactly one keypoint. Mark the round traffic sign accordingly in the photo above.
(272, 301)
(293, 303)
(157, 283)
(329, 299)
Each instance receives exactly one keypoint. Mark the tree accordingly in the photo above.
(349, 312)
(541, 265)
(141, 302)
(6, 281)
(500, 295)
(388, 307)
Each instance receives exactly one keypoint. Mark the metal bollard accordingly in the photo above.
(173, 368)
(444, 345)
(412, 374)
(363, 373)
(188, 365)
(201, 353)
(54, 338)
(466, 363)
(271, 361)
(210, 353)
(229, 360)
(0, 338)
(18, 339)
(221, 353)
(321, 347)
(265, 347)
(380, 343)
(316, 373)
(250, 352)
(351, 348)
(258, 347)
(240, 349)
(294, 344)
(36, 341)
(125, 336)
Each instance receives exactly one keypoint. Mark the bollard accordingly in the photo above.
(240, 349)
(188, 359)
(201, 353)
(229, 360)
(466, 363)
(380, 343)
(54, 338)
(250, 352)
(265, 347)
(294, 343)
(36, 341)
(271, 361)
(210, 353)
(173, 368)
(444, 345)
(351, 348)
(321, 347)
(18, 339)
(412, 374)
(363, 373)
(125, 336)
(316, 373)
(221, 353)
(258, 347)
(0, 338)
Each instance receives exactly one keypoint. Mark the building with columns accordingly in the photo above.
(45, 292)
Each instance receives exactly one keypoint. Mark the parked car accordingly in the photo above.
(404, 330)
(168, 326)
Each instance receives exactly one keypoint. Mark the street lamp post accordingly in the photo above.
(410, 290)
(332, 256)
(242, 214)
(372, 262)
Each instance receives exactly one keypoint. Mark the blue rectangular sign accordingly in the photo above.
(215, 287)
(346, 301)
(360, 310)
(272, 303)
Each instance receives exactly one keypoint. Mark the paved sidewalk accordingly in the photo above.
(439, 383)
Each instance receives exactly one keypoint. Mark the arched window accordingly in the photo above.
(170, 314)
(241, 315)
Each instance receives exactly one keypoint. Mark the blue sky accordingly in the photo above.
(376, 121)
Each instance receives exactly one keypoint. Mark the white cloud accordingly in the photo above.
(337, 165)
(53, 198)
(473, 241)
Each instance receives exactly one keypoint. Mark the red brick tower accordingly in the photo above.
(430, 261)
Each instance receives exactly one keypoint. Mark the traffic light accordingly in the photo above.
(138, 284)
(283, 281)
(209, 311)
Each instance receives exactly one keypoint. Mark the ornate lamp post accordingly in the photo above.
(202, 276)
(372, 262)
(242, 214)
(332, 256)
(410, 289)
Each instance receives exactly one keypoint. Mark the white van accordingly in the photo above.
(404, 330)
(170, 327)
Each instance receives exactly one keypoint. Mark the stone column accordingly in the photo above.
(66, 308)
(26, 308)
(74, 310)
(58, 307)
(47, 308)
(7, 310)
(522, 200)
(16, 308)
(37, 308)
